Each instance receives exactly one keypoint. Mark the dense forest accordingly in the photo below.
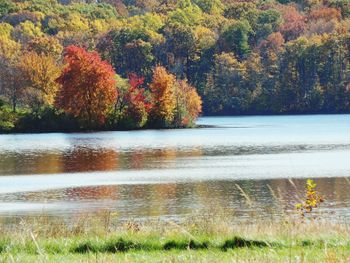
(146, 61)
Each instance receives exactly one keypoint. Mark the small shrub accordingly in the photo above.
(238, 242)
(8, 118)
(307, 243)
(6, 126)
(312, 199)
(119, 245)
(3, 245)
(47, 120)
(182, 245)
(54, 248)
(85, 247)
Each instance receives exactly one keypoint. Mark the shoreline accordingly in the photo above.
(106, 130)
(198, 126)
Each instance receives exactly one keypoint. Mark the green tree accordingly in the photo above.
(180, 48)
(6, 7)
(235, 39)
(225, 92)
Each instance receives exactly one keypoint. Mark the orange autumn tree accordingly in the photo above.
(163, 97)
(175, 103)
(88, 86)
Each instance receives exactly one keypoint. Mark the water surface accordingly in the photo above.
(174, 173)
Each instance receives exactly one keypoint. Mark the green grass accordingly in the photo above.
(211, 238)
(215, 236)
(283, 254)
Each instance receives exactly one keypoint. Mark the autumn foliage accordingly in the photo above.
(89, 91)
(163, 96)
(88, 86)
(139, 104)
(133, 104)
(165, 103)
(325, 13)
(294, 23)
(243, 57)
(311, 201)
(40, 72)
(188, 104)
(175, 103)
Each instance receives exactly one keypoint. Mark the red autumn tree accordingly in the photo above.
(88, 86)
(138, 100)
(325, 13)
(133, 104)
(274, 42)
(294, 23)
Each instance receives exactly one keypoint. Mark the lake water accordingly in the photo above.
(175, 173)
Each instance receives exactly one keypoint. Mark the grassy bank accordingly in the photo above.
(210, 238)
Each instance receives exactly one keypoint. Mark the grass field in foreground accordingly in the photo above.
(214, 238)
(239, 255)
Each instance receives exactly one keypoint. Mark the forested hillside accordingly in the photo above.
(243, 57)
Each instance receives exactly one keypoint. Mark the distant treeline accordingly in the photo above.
(243, 57)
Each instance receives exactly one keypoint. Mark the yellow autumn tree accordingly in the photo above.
(188, 105)
(40, 72)
(48, 45)
(9, 49)
(163, 97)
(10, 77)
